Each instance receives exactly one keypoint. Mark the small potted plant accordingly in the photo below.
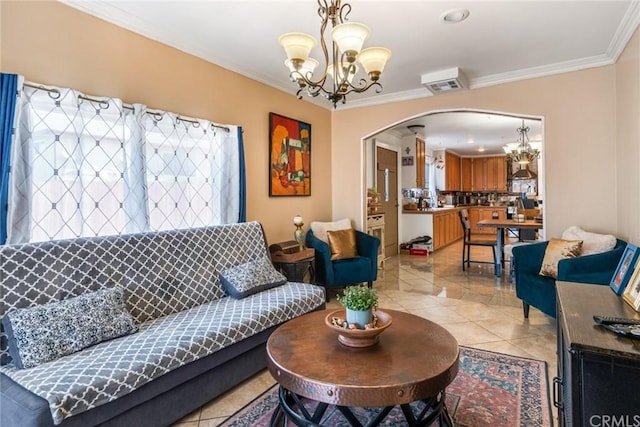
(360, 302)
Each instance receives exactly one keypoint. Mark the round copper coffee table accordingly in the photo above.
(415, 360)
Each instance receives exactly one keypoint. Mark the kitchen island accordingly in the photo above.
(443, 224)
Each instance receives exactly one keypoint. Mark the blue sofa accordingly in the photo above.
(193, 341)
(344, 272)
(540, 291)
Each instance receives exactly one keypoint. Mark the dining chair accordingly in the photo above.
(471, 240)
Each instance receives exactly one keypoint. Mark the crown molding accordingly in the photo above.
(630, 22)
(385, 98)
(541, 71)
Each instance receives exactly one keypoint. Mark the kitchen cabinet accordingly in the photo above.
(479, 168)
(489, 174)
(452, 172)
(466, 174)
(439, 234)
(442, 225)
(446, 228)
(420, 163)
(479, 213)
(497, 173)
(598, 372)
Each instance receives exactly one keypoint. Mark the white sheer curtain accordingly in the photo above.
(69, 163)
(135, 197)
(226, 203)
(192, 172)
(87, 166)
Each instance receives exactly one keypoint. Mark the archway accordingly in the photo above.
(459, 131)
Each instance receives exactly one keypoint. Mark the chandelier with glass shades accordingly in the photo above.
(342, 64)
(523, 151)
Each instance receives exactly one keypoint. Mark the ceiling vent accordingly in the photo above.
(449, 80)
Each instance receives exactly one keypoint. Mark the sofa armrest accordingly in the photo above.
(595, 269)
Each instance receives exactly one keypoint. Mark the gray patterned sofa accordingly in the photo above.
(187, 341)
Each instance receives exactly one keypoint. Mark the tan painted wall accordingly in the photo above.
(579, 111)
(628, 140)
(590, 179)
(54, 44)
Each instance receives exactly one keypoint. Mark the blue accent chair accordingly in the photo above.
(344, 272)
(540, 291)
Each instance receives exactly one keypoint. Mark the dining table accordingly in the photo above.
(501, 225)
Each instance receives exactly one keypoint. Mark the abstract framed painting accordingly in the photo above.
(289, 157)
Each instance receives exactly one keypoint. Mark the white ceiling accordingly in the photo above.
(500, 41)
(471, 133)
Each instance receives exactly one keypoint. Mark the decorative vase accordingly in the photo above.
(359, 317)
(298, 233)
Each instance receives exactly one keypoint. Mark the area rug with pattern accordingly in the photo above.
(491, 389)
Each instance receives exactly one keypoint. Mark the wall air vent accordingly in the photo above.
(449, 80)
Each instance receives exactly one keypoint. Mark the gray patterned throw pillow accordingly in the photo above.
(250, 278)
(42, 333)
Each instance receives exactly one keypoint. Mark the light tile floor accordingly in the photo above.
(479, 309)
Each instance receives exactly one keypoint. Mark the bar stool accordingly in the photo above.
(470, 240)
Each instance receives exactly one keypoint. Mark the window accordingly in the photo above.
(88, 167)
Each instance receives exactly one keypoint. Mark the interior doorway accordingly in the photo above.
(387, 185)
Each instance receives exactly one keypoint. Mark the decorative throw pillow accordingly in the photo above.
(320, 228)
(342, 244)
(46, 332)
(592, 243)
(250, 278)
(558, 249)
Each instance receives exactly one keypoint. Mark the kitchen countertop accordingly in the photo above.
(449, 208)
(430, 210)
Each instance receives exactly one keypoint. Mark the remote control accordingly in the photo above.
(629, 331)
(607, 320)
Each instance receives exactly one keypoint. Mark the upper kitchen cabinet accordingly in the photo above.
(497, 173)
(420, 163)
(489, 174)
(466, 174)
(447, 171)
(452, 172)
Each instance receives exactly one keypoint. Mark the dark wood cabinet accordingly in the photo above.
(598, 372)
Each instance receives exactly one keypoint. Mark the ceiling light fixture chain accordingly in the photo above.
(523, 151)
(341, 67)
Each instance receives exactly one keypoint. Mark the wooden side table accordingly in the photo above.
(297, 264)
